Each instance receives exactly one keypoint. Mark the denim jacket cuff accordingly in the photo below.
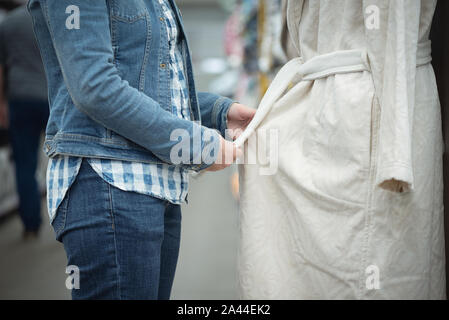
(220, 114)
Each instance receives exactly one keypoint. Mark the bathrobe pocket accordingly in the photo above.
(337, 135)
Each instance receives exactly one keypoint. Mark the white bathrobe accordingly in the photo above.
(349, 204)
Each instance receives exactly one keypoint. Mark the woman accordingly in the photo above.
(355, 208)
(122, 106)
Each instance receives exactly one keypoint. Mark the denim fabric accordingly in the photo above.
(27, 122)
(109, 87)
(125, 244)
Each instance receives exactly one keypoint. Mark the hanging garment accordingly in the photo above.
(348, 202)
(440, 62)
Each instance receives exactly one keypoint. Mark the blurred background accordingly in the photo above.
(224, 41)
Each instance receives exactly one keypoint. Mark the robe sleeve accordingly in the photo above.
(392, 49)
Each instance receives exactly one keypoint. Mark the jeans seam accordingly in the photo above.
(62, 210)
(65, 208)
(117, 265)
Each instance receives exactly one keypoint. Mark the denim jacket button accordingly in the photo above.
(163, 65)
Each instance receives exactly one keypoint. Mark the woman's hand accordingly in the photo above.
(239, 116)
(227, 154)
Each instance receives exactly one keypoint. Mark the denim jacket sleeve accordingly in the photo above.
(85, 57)
(214, 111)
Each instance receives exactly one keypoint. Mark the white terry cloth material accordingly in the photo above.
(353, 124)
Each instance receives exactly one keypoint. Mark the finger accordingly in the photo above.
(235, 152)
(239, 153)
(237, 132)
(248, 112)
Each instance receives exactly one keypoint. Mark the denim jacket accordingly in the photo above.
(109, 84)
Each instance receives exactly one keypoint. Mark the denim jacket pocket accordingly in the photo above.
(130, 34)
(128, 10)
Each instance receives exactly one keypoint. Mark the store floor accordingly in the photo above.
(207, 264)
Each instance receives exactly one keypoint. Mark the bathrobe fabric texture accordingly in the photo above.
(349, 204)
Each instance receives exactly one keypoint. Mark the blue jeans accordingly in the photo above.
(125, 244)
(27, 119)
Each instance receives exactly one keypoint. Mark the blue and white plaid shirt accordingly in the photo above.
(163, 181)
